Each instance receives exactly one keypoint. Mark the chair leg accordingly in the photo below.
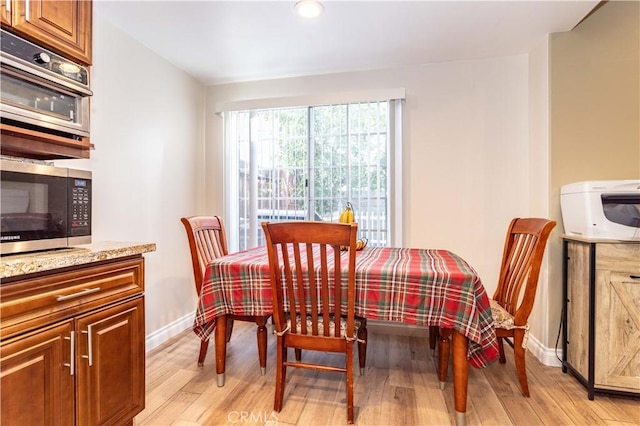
(298, 353)
(204, 345)
(350, 382)
(519, 356)
(503, 360)
(229, 329)
(262, 344)
(362, 348)
(281, 373)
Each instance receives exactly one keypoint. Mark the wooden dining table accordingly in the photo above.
(425, 287)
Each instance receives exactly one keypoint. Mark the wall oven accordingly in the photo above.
(43, 207)
(43, 91)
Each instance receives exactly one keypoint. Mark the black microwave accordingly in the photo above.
(43, 207)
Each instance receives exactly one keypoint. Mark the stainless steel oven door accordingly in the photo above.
(30, 99)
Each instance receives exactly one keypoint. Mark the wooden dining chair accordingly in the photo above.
(307, 312)
(208, 241)
(513, 299)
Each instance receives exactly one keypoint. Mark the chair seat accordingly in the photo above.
(504, 320)
(358, 323)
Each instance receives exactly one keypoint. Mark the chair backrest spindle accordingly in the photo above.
(207, 241)
(520, 268)
(309, 256)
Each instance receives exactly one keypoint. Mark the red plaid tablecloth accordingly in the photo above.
(414, 286)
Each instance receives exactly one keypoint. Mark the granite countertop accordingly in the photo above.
(27, 263)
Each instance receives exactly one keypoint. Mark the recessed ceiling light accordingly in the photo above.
(309, 8)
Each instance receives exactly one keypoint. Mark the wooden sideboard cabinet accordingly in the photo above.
(62, 26)
(601, 292)
(72, 349)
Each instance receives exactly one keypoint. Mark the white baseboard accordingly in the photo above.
(547, 356)
(165, 333)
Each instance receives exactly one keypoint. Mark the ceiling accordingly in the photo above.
(229, 41)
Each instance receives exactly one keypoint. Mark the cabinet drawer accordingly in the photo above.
(34, 302)
(623, 257)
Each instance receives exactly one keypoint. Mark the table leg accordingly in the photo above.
(221, 347)
(444, 347)
(460, 375)
(434, 334)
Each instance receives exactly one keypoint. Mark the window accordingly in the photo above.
(306, 163)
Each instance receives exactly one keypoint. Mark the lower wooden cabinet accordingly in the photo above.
(110, 364)
(602, 315)
(37, 384)
(88, 369)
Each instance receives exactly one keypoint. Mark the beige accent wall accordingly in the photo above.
(594, 112)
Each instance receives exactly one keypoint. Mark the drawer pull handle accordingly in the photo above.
(634, 277)
(78, 294)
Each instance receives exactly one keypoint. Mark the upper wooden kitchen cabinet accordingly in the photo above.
(5, 13)
(62, 26)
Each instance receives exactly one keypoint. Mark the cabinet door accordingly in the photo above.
(110, 383)
(64, 25)
(36, 381)
(5, 12)
(618, 330)
(578, 306)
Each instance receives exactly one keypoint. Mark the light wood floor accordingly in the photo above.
(400, 387)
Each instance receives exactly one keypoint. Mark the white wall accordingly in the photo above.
(466, 159)
(545, 318)
(147, 124)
